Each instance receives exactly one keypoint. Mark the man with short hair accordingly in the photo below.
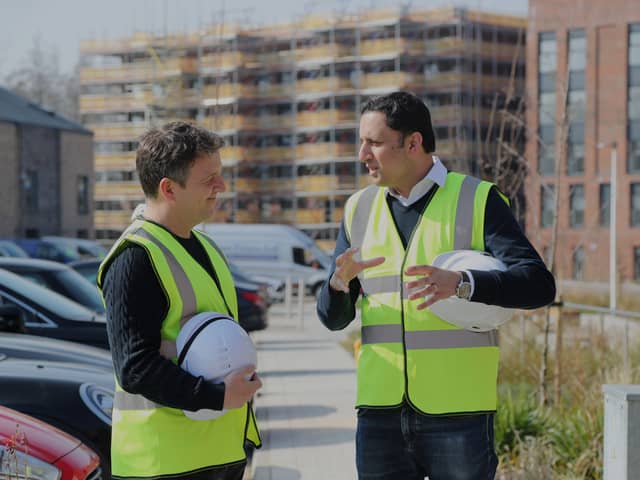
(160, 273)
(426, 388)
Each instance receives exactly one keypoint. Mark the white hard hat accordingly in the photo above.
(475, 316)
(212, 345)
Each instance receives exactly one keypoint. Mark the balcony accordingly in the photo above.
(231, 155)
(322, 85)
(267, 154)
(226, 61)
(116, 220)
(104, 190)
(139, 71)
(243, 216)
(468, 80)
(316, 183)
(119, 161)
(118, 131)
(337, 214)
(247, 185)
(459, 46)
(274, 89)
(395, 80)
(320, 52)
(115, 103)
(389, 46)
(228, 90)
(324, 150)
(325, 118)
(310, 215)
(278, 185)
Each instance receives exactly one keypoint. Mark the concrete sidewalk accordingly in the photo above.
(305, 409)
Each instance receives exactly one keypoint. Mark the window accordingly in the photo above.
(546, 149)
(636, 263)
(576, 206)
(635, 205)
(31, 190)
(576, 102)
(83, 195)
(605, 204)
(575, 149)
(578, 263)
(633, 99)
(547, 201)
(547, 64)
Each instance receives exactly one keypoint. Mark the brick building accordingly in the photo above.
(585, 55)
(46, 165)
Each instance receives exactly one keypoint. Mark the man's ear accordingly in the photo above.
(415, 142)
(166, 189)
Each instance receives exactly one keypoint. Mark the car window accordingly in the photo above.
(27, 315)
(48, 299)
(82, 291)
(35, 277)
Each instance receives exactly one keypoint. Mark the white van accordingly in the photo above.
(268, 250)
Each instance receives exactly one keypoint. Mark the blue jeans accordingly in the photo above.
(402, 444)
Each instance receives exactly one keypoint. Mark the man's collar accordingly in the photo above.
(437, 174)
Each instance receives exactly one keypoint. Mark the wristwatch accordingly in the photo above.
(463, 290)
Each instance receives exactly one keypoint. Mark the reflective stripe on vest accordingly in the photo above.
(152, 440)
(411, 354)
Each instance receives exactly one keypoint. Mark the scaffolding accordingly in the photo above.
(286, 99)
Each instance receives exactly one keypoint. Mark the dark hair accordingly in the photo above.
(405, 113)
(169, 151)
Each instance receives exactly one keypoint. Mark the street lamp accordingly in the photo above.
(613, 242)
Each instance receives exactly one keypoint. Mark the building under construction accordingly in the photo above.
(286, 99)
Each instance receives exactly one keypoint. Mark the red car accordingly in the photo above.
(48, 453)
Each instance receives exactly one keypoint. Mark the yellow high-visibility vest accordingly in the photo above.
(408, 354)
(151, 440)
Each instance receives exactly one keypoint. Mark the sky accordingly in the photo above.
(62, 24)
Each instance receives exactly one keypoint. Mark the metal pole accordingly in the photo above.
(301, 303)
(613, 294)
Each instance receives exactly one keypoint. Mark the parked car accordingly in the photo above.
(88, 268)
(47, 250)
(58, 277)
(10, 249)
(273, 288)
(33, 347)
(46, 451)
(252, 296)
(76, 398)
(84, 247)
(252, 306)
(49, 314)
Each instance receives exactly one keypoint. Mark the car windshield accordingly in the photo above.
(239, 275)
(48, 299)
(83, 291)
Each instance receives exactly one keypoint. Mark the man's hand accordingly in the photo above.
(347, 268)
(436, 284)
(240, 386)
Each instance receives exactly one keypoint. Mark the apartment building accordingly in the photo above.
(46, 185)
(287, 98)
(583, 81)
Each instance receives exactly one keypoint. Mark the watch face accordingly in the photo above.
(464, 290)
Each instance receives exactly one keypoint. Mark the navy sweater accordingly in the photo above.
(136, 305)
(526, 284)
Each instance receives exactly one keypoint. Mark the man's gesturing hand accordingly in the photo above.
(240, 386)
(347, 268)
(436, 284)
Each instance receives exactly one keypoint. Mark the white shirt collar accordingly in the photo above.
(437, 174)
